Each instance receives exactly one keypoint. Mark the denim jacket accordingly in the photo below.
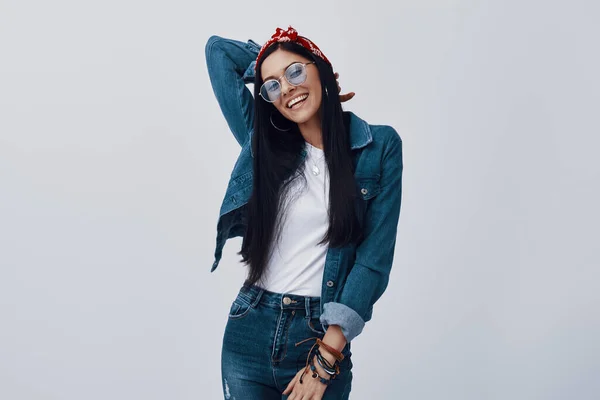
(355, 276)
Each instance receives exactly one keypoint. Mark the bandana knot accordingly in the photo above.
(291, 35)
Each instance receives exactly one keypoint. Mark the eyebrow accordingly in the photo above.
(272, 77)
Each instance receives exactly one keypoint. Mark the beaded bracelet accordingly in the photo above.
(315, 374)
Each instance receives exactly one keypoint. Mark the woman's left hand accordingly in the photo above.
(343, 97)
(310, 388)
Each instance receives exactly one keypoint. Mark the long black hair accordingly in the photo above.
(276, 165)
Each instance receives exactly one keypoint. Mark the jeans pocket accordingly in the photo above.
(239, 309)
(314, 324)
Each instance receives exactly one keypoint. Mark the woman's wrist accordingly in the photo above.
(334, 337)
(318, 362)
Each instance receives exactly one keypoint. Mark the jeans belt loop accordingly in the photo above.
(307, 305)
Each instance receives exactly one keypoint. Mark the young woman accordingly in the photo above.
(315, 193)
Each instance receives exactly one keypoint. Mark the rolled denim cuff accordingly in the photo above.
(340, 314)
(248, 76)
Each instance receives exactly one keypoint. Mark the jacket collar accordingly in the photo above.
(360, 132)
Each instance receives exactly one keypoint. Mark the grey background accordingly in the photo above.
(114, 159)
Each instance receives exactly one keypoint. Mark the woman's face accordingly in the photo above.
(274, 66)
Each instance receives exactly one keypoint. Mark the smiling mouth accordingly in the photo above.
(297, 101)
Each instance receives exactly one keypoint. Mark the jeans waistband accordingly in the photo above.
(281, 301)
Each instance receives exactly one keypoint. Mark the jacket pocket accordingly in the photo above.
(368, 187)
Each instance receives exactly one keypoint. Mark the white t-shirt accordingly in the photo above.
(297, 261)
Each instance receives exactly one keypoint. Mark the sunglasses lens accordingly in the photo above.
(270, 90)
(296, 74)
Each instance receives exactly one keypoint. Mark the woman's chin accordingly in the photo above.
(300, 116)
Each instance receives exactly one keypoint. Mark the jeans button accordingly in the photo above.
(287, 300)
(330, 283)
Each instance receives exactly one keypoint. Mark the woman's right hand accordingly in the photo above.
(343, 97)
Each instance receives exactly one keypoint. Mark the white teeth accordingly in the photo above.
(296, 100)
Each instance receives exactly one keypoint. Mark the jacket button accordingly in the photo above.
(330, 283)
(364, 191)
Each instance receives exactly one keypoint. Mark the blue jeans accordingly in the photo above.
(260, 357)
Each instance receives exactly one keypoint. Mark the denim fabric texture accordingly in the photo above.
(355, 276)
(260, 356)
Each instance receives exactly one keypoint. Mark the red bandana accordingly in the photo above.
(291, 35)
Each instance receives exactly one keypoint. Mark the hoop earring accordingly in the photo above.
(276, 127)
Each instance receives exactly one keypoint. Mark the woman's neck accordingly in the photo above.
(311, 131)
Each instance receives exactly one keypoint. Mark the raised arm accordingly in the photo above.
(230, 66)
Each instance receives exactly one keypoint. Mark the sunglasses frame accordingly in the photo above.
(279, 80)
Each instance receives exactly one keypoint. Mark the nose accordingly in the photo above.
(286, 87)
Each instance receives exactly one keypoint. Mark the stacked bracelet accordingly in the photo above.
(332, 370)
(337, 354)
